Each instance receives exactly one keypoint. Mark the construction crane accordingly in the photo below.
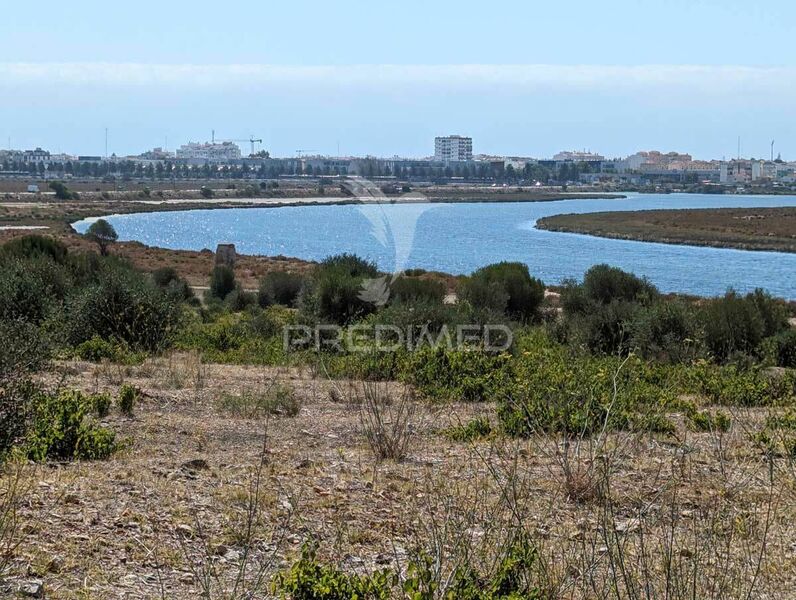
(252, 140)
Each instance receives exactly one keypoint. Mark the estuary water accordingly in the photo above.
(459, 238)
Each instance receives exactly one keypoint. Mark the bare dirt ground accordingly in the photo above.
(148, 522)
(745, 228)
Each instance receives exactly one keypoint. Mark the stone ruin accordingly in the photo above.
(225, 255)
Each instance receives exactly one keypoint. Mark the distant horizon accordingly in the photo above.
(525, 79)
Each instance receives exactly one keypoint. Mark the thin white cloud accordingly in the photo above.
(718, 79)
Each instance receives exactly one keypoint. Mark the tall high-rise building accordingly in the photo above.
(453, 148)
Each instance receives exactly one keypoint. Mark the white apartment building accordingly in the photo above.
(453, 148)
(221, 151)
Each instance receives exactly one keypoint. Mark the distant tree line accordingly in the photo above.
(167, 170)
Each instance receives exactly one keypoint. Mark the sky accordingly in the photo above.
(364, 78)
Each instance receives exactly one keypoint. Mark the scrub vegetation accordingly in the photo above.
(165, 443)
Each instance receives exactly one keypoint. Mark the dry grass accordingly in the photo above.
(196, 493)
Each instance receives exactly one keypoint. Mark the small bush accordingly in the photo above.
(239, 300)
(556, 391)
(122, 307)
(666, 331)
(386, 421)
(164, 276)
(222, 282)
(63, 429)
(606, 328)
(604, 284)
(279, 399)
(62, 192)
(308, 579)
(412, 290)
(128, 398)
(280, 287)
(348, 264)
(102, 404)
(505, 287)
(785, 349)
(206, 192)
(96, 350)
(705, 421)
(459, 375)
(735, 324)
(478, 428)
(34, 246)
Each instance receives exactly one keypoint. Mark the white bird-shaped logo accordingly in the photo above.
(391, 228)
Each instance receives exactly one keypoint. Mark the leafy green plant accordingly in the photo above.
(123, 307)
(461, 375)
(505, 287)
(308, 579)
(414, 289)
(706, 421)
(102, 404)
(62, 428)
(128, 398)
(475, 429)
(280, 287)
(222, 282)
(278, 399)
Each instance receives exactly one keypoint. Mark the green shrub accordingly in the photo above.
(63, 429)
(23, 350)
(279, 399)
(335, 293)
(412, 290)
(102, 404)
(308, 579)
(34, 246)
(735, 324)
(459, 375)
(705, 421)
(731, 386)
(280, 287)
(239, 300)
(124, 307)
(349, 264)
(31, 289)
(667, 331)
(511, 578)
(128, 398)
(784, 346)
(505, 287)
(556, 391)
(606, 328)
(62, 192)
(222, 282)
(338, 299)
(96, 350)
(420, 320)
(772, 312)
(604, 284)
(477, 428)
(164, 276)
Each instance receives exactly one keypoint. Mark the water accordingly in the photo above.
(458, 238)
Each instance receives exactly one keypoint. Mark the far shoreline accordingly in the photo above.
(764, 229)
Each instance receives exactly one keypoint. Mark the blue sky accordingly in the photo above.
(527, 78)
